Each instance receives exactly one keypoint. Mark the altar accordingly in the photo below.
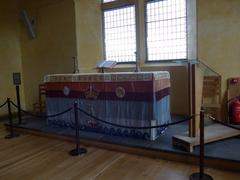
(125, 98)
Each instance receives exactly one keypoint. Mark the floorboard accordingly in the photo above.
(31, 157)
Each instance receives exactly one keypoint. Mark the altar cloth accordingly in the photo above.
(125, 98)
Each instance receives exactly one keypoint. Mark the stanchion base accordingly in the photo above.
(196, 176)
(76, 152)
(10, 136)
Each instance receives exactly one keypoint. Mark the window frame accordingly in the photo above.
(146, 35)
(141, 31)
(118, 4)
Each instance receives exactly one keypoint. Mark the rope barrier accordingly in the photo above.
(225, 124)
(3, 104)
(135, 127)
(117, 125)
(43, 116)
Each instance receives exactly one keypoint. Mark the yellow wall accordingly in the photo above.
(88, 33)
(219, 37)
(55, 45)
(66, 28)
(10, 52)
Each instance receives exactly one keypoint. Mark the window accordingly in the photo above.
(163, 32)
(166, 30)
(120, 34)
(106, 1)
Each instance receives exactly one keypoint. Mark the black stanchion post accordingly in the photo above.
(19, 105)
(78, 150)
(201, 175)
(17, 82)
(12, 134)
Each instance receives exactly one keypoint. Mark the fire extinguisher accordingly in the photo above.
(234, 110)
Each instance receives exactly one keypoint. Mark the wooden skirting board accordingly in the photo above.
(167, 155)
(213, 132)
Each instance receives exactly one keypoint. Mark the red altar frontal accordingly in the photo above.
(130, 99)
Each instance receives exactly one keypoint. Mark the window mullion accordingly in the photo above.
(141, 31)
(137, 19)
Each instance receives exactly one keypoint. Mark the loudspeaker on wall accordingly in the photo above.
(28, 23)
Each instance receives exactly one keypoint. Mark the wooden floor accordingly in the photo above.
(40, 158)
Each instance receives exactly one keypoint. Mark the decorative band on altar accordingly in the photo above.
(129, 96)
